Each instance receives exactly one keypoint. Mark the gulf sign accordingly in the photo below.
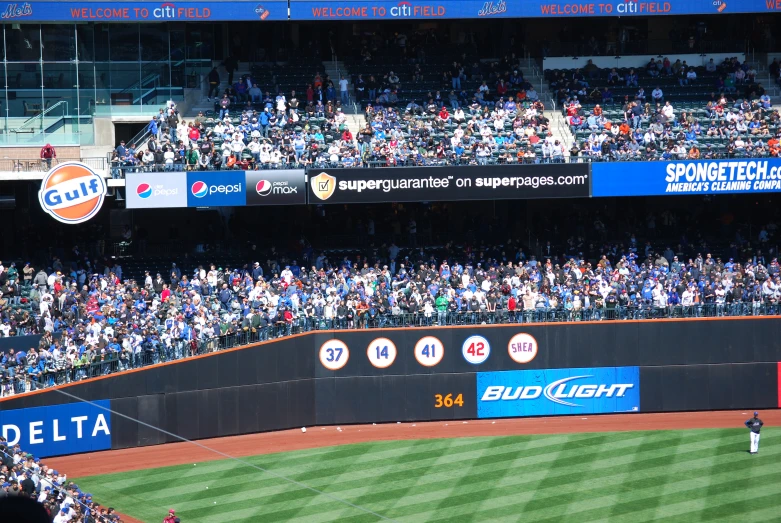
(72, 193)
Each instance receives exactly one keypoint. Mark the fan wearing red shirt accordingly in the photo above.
(165, 294)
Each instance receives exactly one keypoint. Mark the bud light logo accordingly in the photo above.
(199, 189)
(144, 190)
(263, 187)
(558, 391)
(72, 193)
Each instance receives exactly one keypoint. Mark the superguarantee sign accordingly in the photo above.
(426, 184)
(687, 177)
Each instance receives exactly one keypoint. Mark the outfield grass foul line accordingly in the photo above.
(227, 456)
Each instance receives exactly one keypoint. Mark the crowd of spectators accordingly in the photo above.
(96, 320)
(22, 475)
(649, 123)
(264, 132)
(722, 128)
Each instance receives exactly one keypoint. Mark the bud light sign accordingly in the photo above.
(558, 391)
(58, 429)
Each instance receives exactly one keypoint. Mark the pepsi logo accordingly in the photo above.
(264, 187)
(144, 190)
(72, 193)
(199, 189)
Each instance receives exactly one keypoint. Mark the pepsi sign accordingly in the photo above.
(216, 189)
(72, 193)
(155, 190)
(277, 187)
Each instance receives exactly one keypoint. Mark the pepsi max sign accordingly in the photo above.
(155, 190)
(277, 187)
(216, 189)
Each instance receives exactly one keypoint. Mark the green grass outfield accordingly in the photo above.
(684, 475)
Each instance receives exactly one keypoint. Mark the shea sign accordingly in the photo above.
(58, 429)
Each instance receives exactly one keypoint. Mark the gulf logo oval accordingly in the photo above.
(144, 190)
(72, 193)
(263, 187)
(199, 189)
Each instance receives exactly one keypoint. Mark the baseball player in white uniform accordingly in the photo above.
(754, 425)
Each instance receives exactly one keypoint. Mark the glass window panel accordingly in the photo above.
(102, 47)
(123, 42)
(154, 42)
(23, 42)
(59, 42)
(86, 42)
(24, 89)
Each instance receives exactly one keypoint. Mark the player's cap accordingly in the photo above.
(756, 413)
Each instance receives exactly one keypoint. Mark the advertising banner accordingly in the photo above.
(143, 11)
(72, 193)
(438, 9)
(216, 189)
(277, 187)
(426, 184)
(155, 190)
(746, 175)
(58, 429)
(558, 392)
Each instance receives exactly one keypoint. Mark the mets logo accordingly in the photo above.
(263, 187)
(262, 12)
(72, 193)
(144, 190)
(323, 186)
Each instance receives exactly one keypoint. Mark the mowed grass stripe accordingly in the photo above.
(440, 477)
(482, 489)
(491, 472)
(591, 504)
(238, 494)
(599, 504)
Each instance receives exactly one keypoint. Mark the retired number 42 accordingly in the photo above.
(448, 400)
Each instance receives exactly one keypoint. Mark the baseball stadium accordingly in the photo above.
(378, 260)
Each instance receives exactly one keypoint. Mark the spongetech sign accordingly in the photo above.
(58, 429)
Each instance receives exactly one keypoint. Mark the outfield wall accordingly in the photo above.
(341, 377)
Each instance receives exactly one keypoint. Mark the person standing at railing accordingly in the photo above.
(48, 153)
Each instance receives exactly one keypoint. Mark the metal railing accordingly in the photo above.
(41, 166)
(37, 121)
(152, 353)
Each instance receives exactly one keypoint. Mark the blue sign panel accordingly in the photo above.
(433, 9)
(58, 429)
(686, 177)
(142, 11)
(216, 189)
(558, 391)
